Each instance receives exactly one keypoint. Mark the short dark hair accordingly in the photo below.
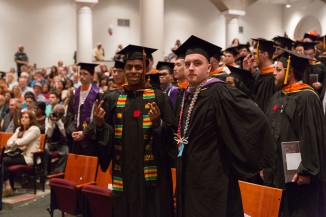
(56, 93)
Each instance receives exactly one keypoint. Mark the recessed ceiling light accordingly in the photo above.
(287, 5)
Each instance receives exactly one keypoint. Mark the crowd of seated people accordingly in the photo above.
(42, 97)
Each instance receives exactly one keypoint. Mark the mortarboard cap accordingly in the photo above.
(90, 67)
(232, 50)
(241, 46)
(118, 65)
(165, 65)
(243, 75)
(195, 45)
(178, 54)
(217, 55)
(264, 45)
(283, 42)
(310, 36)
(291, 59)
(297, 44)
(309, 45)
(134, 52)
(154, 80)
(323, 40)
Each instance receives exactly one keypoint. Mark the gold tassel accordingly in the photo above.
(257, 52)
(287, 70)
(144, 61)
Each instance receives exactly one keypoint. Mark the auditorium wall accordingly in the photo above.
(48, 28)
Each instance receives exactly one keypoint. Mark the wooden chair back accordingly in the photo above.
(174, 179)
(80, 168)
(4, 137)
(260, 201)
(103, 179)
(42, 142)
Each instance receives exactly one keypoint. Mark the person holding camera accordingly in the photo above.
(56, 138)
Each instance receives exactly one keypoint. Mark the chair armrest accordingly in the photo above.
(38, 152)
(58, 175)
(87, 183)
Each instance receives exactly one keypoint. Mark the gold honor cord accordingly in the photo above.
(287, 70)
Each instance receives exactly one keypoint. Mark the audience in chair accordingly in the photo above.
(27, 139)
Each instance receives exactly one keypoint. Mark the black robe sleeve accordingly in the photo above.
(244, 131)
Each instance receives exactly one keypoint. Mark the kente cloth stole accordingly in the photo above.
(150, 167)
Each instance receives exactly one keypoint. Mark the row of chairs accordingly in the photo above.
(82, 189)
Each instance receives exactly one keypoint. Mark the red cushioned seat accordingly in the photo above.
(98, 198)
(66, 191)
(35, 171)
(66, 195)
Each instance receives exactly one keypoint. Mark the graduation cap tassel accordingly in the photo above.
(287, 70)
(257, 52)
(324, 43)
(144, 61)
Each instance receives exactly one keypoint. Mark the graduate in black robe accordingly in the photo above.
(295, 114)
(315, 73)
(264, 87)
(137, 143)
(225, 139)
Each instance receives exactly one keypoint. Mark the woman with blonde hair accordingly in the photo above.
(18, 93)
(26, 140)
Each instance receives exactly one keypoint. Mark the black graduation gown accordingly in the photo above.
(137, 199)
(298, 116)
(227, 133)
(264, 89)
(318, 68)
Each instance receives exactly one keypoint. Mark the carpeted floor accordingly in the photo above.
(36, 208)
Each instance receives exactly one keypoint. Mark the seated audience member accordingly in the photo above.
(8, 95)
(18, 93)
(53, 72)
(69, 84)
(23, 82)
(60, 86)
(46, 91)
(4, 107)
(39, 111)
(104, 83)
(56, 138)
(38, 92)
(38, 78)
(27, 139)
(30, 101)
(11, 79)
(10, 122)
(54, 99)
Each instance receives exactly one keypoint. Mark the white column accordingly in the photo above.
(152, 26)
(232, 25)
(84, 35)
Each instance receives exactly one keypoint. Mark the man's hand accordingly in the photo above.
(301, 180)
(98, 114)
(316, 85)
(248, 62)
(154, 114)
(78, 136)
